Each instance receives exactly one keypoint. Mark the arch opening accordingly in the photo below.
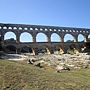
(58, 49)
(41, 37)
(55, 38)
(27, 49)
(68, 38)
(10, 49)
(9, 37)
(86, 47)
(43, 50)
(26, 37)
(80, 38)
(4, 27)
(72, 49)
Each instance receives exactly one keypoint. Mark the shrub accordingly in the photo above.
(2, 53)
(88, 53)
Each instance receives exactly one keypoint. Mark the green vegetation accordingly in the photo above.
(11, 40)
(70, 41)
(2, 48)
(70, 50)
(18, 75)
(88, 53)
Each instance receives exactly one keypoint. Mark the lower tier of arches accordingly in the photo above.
(46, 48)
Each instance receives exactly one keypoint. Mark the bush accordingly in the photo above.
(2, 53)
(88, 53)
(70, 52)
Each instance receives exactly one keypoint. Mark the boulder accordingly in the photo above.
(59, 68)
(37, 63)
(30, 61)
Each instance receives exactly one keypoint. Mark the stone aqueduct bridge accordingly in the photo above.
(18, 29)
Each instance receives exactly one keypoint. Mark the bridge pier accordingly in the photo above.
(18, 51)
(86, 38)
(2, 37)
(34, 39)
(65, 49)
(52, 50)
(17, 39)
(36, 51)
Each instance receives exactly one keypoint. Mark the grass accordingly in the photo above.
(18, 75)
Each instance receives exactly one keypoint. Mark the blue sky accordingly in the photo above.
(67, 13)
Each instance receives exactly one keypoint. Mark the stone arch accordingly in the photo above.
(69, 38)
(4, 27)
(41, 37)
(87, 47)
(9, 35)
(11, 49)
(44, 49)
(84, 47)
(9, 27)
(72, 49)
(58, 49)
(81, 38)
(55, 37)
(28, 49)
(26, 37)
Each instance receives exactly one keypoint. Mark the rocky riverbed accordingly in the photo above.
(58, 62)
(75, 61)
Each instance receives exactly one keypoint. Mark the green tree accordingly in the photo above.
(70, 41)
(11, 40)
(1, 48)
